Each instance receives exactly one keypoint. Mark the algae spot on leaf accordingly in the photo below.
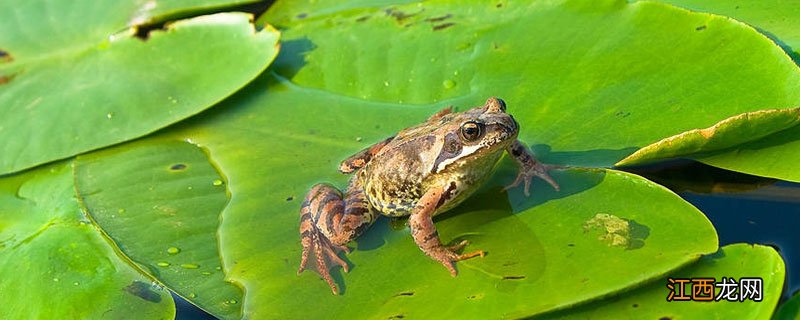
(618, 232)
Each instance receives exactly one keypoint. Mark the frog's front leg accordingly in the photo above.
(328, 222)
(427, 238)
(529, 167)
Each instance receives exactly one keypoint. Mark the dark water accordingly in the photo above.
(743, 208)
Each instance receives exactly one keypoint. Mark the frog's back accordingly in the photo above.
(393, 179)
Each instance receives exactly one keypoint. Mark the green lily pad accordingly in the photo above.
(78, 84)
(761, 143)
(581, 98)
(55, 264)
(789, 310)
(152, 11)
(532, 242)
(163, 214)
(591, 81)
(771, 156)
(733, 261)
(775, 18)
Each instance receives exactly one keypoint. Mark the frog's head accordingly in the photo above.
(476, 136)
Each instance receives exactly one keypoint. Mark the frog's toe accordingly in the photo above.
(539, 170)
(448, 257)
(325, 256)
(458, 246)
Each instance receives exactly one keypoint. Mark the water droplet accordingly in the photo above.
(190, 188)
(150, 188)
(121, 210)
(192, 295)
(173, 100)
(448, 84)
(386, 83)
(190, 266)
(233, 301)
(218, 268)
(76, 283)
(173, 250)
(109, 115)
(433, 59)
(205, 273)
(217, 182)
(55, 279)
(163, 264)
(359, 139)
(455, 73)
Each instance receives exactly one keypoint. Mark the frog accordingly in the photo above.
(419, 172)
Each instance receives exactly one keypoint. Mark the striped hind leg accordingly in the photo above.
(328, 223)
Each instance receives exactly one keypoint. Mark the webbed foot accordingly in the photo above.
(448, 256)
(536, 169)
(325, 254)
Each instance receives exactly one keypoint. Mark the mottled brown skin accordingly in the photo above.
(420, 172)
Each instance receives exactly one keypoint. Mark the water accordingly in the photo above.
(743, 208)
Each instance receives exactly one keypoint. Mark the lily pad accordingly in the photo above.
(775, 18)
(761, 143)
(152, 11)
(789, 310)
(55, 264)
(581, 98)
(735, 261)
(590, 81)
(163, 213)
(70, 85)
(532, 242)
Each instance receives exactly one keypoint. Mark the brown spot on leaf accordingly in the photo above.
(302, 15)
(6, 79)
(362, 19)
(439, 19)
(443, 26)
(397, 316)
(398, 15)
(405, 294)
(708, 132)
(5, 57)
(513, 277)
(499, 5)
(700, 28)
(289, 198)
(177, 167)
(665, 318)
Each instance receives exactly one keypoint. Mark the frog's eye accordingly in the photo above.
(471, 130)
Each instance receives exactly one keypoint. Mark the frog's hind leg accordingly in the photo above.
(322, 202)
(328, 222)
